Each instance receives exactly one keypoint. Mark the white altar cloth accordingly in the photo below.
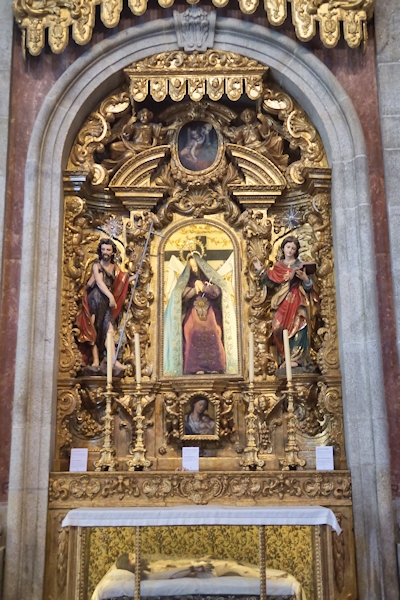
(201, 515)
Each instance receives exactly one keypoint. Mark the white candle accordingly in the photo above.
(137, 359)
(251, 356)
(110, 354)
(288, 361)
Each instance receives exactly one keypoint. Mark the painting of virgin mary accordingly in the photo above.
(200, 335)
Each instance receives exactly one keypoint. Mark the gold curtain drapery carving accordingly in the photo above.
(57, 17)
(211, 73)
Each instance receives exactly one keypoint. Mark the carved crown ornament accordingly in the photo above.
(35, 18)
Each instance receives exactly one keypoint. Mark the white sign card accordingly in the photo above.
(78, 460)
(324, 458)
(190, 458)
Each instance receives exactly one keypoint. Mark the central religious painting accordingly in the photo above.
(200, 316)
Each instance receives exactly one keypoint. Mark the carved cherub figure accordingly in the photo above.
(252, 224)
(138, 134)
(255, 133)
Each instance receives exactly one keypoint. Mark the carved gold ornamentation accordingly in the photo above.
(138, 462)
(265, 175)
(262, 488)
(212, 72)
(97, 131)
(276, 11)
(264, 406)
(339, 556)
(62, 557)
(268, 176)
(132, 135)
(56, 17)
(68, 404)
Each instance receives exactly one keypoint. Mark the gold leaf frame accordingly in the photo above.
(186, 401)
(189, 135)
(221, 243)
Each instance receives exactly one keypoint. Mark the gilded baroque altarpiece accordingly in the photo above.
(199, 159)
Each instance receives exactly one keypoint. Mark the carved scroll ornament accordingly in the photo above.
(56, 18)
(262, 488)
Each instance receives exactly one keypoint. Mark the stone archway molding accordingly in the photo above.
(77, 92)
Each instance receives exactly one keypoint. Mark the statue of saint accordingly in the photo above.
(103, 298)
(293, 302)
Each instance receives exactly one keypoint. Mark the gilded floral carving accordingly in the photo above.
(199, 488)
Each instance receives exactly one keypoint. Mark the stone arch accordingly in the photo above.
(320, 95)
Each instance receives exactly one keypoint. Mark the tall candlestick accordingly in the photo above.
(110, 354)
(137, 359)
(251, 356)
(288, 360)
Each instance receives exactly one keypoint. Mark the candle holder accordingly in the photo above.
(250, 460)
(107, 461)
(139, 462)
(292, 460)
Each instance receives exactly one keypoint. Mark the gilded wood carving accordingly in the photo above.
(192, 201)
(194, 226)
(57, 20)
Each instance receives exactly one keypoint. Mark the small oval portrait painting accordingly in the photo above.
(197, 145)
